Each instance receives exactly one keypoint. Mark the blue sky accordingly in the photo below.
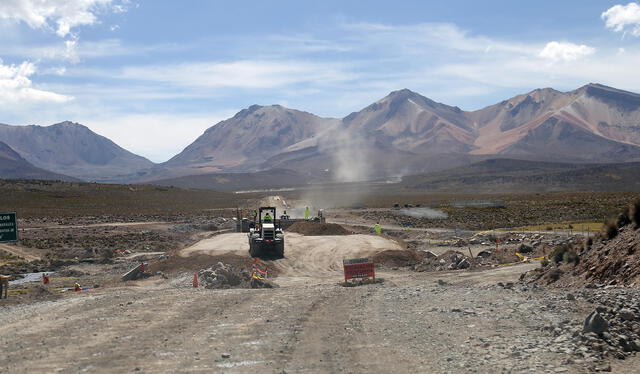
(152, 75)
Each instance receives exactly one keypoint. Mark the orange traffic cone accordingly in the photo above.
(195, 280)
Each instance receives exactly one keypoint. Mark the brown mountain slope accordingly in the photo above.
(72, 149)
(411, 122)
(245, 141)
(12, 166)
(547, 124)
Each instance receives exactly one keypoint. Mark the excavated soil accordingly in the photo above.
(398, 258)
(315, 229)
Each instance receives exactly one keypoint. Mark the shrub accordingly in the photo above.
(634, 213)
(557, 255)
(571, 257)
(610, 230)
(623, 218)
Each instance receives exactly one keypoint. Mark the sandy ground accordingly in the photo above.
(411, 323)
(309, 256)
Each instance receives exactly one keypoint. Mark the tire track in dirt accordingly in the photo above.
(334, 337)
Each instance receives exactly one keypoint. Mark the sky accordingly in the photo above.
(152, 75)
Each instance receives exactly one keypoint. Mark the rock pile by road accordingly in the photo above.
(223, 276)
(450, 260)
(613, 328)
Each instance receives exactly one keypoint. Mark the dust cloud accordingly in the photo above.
(350, 153)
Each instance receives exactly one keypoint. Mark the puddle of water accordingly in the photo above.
(30, 277)
(427, 213)
(254, 342)
(238, 363)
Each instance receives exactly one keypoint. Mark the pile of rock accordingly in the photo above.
(450, 260)
(614, 329)
(222, 276)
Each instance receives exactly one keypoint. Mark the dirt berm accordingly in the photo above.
(315, 229)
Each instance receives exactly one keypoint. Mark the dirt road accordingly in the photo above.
(413, 322)
(21, 252)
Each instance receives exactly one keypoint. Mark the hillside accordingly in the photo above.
(13, 166)
(509, 175)
(72, 149)
(231, 182)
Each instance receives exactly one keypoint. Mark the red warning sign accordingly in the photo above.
(359, 268)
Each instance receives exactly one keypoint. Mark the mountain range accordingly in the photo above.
(404, 133)
(72, 149)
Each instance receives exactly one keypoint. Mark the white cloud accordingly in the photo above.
(64, 14)
(562, 51)
(15, 87)
(623, 17)
(423, 37)
(237, 74)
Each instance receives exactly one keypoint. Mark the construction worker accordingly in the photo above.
(377, 229)
(76, 287)
(306, 213)
(267, 218)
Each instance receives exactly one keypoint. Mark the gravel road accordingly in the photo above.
(412, 323)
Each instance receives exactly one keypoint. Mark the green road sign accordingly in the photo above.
(8, 227)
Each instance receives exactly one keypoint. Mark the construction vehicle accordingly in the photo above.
(266, 239)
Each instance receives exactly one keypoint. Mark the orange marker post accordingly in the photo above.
(195, 280)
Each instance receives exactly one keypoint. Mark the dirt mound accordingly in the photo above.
(222, 276)
(613, 258)
(398, 258)
(316, 228)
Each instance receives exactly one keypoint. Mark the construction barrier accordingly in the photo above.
(359, 268)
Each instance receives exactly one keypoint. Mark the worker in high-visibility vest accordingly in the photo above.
(377, 229)
(306, 213)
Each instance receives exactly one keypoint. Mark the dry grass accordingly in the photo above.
(64, 199)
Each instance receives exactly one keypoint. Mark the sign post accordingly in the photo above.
(8, 227)
(359, 268)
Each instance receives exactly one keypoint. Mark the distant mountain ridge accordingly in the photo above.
(72, 149)
(406, 133)
(403, 133)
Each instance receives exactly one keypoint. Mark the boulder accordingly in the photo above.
(595, 323)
